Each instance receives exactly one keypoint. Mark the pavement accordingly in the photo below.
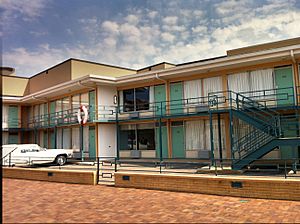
(27, 201)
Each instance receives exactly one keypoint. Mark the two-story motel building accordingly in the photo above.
(241, 106)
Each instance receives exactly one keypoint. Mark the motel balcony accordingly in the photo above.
(276, 99)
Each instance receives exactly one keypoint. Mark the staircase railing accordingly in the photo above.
(9, 157)
(264, 121)
(250, 143)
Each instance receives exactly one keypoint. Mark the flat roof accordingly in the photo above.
(156, 65)
(90, 62)
(265, 46)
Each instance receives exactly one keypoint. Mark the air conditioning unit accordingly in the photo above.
(204, 154)
(135, 154)
(134, 115)
(201, 108)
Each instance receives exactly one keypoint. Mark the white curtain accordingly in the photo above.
(4, 116)
(262, 80)
(239, 82)
(86, 139)
(67, 138)
(4, 138)
(207, 135)
(75, 139)
(213, 84)
(192, 89)
(215, 137)
(194, 135)
(59, 138)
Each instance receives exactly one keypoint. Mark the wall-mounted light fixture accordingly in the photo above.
(115, 99)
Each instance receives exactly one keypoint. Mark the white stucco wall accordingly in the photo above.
(106, 106)
(105, 95)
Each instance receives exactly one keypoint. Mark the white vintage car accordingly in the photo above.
(33, 154)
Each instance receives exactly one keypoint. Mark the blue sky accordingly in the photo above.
(37, 34)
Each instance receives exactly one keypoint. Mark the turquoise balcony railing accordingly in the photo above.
(249, 102)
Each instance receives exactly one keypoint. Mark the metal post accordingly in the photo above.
(284, 169)
(98, 169)
(35, 136)
(216, 169)
(211, 137)
(116, 165)
(220, 137)
(237, 101)
(231, 127)
(81, 141)
(55, 137)
(160, 167)
(118, 134)
(160, 141)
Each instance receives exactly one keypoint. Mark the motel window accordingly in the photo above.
(136, 99)
(146, 137)
(137, 137)
(128, 137)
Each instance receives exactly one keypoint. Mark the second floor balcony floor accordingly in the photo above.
(275, 99)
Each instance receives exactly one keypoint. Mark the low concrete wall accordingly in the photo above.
(286, 189)
(63, 176)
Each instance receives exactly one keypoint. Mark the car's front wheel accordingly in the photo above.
(61, 160)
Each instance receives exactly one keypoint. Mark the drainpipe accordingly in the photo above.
(168, 123)
(293, 56)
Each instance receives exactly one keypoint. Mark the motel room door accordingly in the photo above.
(178, 140)
(176, 95)
(92, 142)
(284, 79)
(160, 96)
(92, 106)
(164, 137)
(290, 130)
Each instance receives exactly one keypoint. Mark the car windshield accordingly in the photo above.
(42, 149)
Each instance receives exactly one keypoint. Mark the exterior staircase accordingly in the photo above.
(266, 132)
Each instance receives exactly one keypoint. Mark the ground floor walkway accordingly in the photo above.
(47, 202)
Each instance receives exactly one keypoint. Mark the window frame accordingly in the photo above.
(135, 107)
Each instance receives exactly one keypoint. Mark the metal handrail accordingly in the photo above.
(214, 100)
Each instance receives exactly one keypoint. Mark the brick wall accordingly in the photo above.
(64, 176)
(286, 189)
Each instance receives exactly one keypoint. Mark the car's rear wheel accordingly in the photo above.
(61, 160)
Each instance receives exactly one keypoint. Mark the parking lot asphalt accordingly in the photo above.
(27, 201)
